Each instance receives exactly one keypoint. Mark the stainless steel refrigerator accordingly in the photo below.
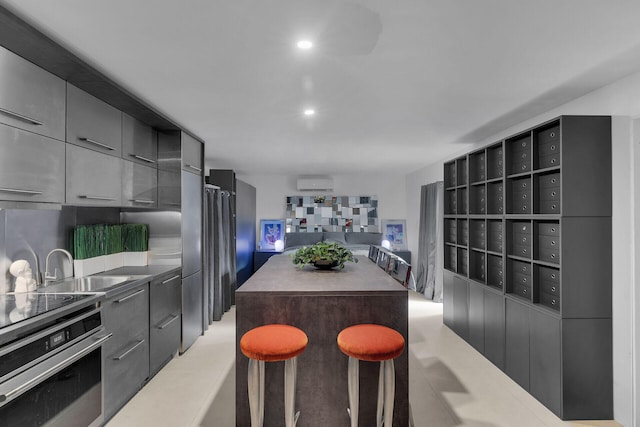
(192, 283)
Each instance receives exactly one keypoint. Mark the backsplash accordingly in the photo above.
(331, 213)
(28, 233)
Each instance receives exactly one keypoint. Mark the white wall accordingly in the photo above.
(622, 100)
(272, 190)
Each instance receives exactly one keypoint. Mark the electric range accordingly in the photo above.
(51, 351)
(20, 313)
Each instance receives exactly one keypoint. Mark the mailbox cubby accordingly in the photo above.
(519, 154)
(478, 199)
(495, 162)
(477, 167)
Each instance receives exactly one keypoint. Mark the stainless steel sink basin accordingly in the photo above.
(89, 283)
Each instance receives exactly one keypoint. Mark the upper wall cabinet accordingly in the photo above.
(92, 123)
(93, 179)
(30, 97)
(139, 142)
(169, 178)
(139, 185)
(192, 155)
(31, 167)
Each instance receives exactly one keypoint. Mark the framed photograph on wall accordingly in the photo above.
(271, 235)
(394, 231)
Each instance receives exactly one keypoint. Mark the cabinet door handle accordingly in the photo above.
(144, 159)
(86, 196)
(168, 322)
(126, 353)
(135, 294)
(195, 168)
(164, 282)
(21, 117)
(20, 191)
(94, 142)
(148, 202)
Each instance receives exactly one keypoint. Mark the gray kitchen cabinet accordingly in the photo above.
(31, 167)
(191, 310)
(93, 179)
(461, 307)
(169, 171)
(139, 141)
(545, 359)
(139, 185)
(165, 309)
(192, 154)
(169, 190)
(92, 123)
(30, 97)
(494, 328)
(447, 298)
(126, 354)
(192, 285)
(517, 342)
(476, 316)
(191, 223)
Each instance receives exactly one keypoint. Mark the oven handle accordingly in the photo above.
(54, 369)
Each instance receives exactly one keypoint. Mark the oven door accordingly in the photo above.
(63, 390)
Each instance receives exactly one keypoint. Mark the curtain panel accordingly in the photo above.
(430, 263)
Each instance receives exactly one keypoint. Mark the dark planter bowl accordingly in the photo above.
(325, 264)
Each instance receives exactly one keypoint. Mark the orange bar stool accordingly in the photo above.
(272, 343)
(373, 343)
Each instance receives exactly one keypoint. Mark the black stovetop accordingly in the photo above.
(16, 308)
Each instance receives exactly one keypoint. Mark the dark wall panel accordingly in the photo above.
(245, 229)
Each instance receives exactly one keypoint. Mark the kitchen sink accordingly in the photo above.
(89, 283)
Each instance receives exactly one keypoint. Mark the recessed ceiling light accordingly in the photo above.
(309, 112)
(304, 44)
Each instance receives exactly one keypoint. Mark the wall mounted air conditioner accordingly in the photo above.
(315, 183)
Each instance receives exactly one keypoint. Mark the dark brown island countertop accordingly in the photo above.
(279, 274)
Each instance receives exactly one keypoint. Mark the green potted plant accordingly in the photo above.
(323, 255)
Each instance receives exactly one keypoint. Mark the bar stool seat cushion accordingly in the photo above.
(273, 343)
(373, 343)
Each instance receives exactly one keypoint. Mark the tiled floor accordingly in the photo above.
(450, 383)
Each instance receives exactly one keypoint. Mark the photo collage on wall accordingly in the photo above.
(332, 213)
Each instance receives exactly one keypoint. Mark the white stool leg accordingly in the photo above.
(389, 392)
(354, 389)
(255, 381)
(290, 377)
(380, 395)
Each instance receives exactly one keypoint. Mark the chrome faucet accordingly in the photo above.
(51, 277)
(36, 273)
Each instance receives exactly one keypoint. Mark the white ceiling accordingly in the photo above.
(397, 84)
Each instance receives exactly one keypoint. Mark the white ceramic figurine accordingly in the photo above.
(24, 282)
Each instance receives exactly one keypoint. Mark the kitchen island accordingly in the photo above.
(321, 303)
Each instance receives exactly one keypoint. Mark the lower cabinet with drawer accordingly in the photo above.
(126, 354)
(164, 320)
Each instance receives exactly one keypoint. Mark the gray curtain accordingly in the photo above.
(214, 253)
(228, 266)
(429, 268)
